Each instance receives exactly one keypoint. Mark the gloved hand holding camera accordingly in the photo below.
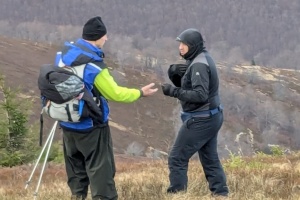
(176, 72)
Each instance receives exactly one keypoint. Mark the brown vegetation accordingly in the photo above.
(260, 177)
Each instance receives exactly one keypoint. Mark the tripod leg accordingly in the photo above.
(42, 152)
(45, 161)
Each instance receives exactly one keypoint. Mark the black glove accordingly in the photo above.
(168, 89)
(175, 73)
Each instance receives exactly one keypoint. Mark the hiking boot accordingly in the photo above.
(76, 197)
(219, 197)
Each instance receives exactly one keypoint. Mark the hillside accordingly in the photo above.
(256, 45)
(261, 104)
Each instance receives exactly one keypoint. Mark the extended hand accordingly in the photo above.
(148, 90)
(168, 89)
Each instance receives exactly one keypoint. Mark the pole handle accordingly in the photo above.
(41, 129)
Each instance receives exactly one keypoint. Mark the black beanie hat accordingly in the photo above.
(94, 29)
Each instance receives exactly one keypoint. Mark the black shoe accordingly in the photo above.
(76, 197)
(174, 191)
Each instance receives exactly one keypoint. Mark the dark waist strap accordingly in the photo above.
(205, 113)
(87, 130)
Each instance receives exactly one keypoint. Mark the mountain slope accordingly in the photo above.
(261, 104)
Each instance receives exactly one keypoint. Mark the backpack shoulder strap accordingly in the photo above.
(77, 70)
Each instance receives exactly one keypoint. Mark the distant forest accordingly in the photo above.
(236, 31)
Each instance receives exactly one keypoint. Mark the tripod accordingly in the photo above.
(48, 144)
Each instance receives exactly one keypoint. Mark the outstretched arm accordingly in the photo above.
(107, 86)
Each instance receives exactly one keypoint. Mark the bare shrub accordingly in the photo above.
(135, 149)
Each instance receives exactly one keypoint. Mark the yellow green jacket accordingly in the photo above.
(106, 85)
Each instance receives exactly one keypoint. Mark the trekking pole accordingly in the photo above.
(47, 144)
(41, 154)
(45, 161)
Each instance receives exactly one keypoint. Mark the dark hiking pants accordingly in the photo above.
(197, 135)
(90, 161)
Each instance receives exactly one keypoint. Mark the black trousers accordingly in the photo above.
(90, 161)
(197, 135)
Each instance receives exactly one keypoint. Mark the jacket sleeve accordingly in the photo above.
(106, 85)
(199, 75)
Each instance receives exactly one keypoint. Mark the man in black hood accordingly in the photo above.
(201, 115)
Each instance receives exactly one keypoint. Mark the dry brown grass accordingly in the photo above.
(261, 177)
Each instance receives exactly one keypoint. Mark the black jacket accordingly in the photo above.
(199, 85)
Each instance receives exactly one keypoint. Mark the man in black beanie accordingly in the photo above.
(88, 148)
(95, 31)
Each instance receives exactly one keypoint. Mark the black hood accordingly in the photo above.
(193, 39)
